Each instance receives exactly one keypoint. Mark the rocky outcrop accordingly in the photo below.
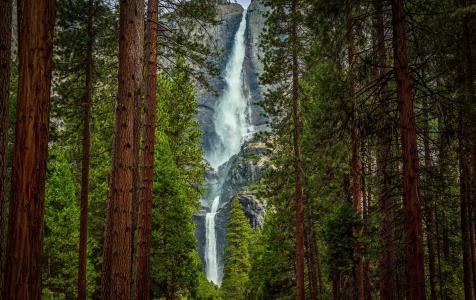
(236, 178)
(253, 67)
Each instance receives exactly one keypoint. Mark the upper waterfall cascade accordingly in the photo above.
(232, 127)
(231, 115)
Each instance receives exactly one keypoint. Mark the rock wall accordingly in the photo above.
(221, 39)
(245, 168)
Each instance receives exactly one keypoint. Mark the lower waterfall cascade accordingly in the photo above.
(232, 128)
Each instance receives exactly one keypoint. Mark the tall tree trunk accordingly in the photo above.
(137, 175)
(414, 267)
(387, 285)
(470, 98)
(311, 262)
(356, 164)
(471, 101)
(25, 234)
(465, 221)
(5, 58)
(428, 205)
(83, 231)
(121, 184)
(142, 290)
(300, 295)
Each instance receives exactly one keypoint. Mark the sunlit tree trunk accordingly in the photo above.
(118, 231)
(25, 234)
(142, 290)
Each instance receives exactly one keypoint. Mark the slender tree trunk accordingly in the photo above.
(430, 216)
(387, 285)
(470, 101)
(107, 251)
(5, 58)
(83, 232)
(465, 221)
(25, 234)
(300, 295)
(137, 174)
(142, 290)
(356, 164)
(311, 262)
(414, 267)
(121, 183)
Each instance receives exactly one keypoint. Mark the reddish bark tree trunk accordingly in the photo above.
(142, 290)
(300, 295)
(311, 264)
(5, 58)
(414, 267)
(356, 165)
(83, 231)
(387, 285)
(118, 231)
(23, 270)
(137, 175)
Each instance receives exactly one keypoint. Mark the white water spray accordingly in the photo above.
(230, 118)
(211, 242)
(231, 128)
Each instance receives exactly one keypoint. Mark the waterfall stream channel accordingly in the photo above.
(232, 128)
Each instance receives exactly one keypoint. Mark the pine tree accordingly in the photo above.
(176, 269)
(61, 220)
(86, 149)
(236, 259)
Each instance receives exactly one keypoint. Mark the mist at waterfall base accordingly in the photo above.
(231, 123)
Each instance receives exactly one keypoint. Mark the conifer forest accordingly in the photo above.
(238, 149)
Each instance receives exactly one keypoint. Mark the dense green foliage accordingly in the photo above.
(328, 111)
(236, 259)
(178, 170)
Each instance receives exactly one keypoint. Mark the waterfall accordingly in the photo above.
(231, 122)
(211, 242)
(231, 115)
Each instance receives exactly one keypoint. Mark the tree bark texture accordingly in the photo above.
(121, 183)
(25, 234)
(414, 262)
(87, 102)
(142, 290)
(5, 58)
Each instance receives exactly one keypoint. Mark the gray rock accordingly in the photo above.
(244, 169)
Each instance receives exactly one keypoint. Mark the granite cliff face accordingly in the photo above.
(222, 35)
(235, 177)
